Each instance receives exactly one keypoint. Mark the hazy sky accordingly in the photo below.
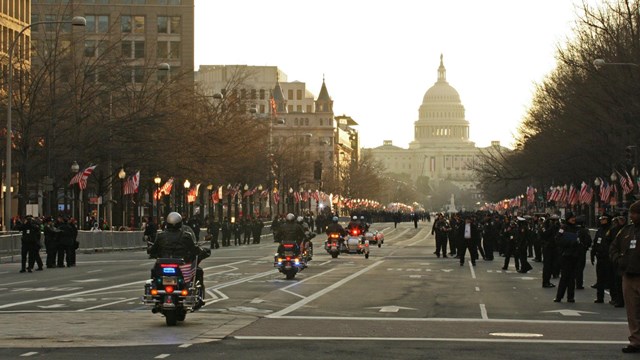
(380, 57)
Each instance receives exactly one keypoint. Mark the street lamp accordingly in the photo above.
(245, 203)
(260, 200)
(210, 201)
(74, 170)
(598, 63)
(186, 185)
(76, 21)
(157, 180)
(121, 175)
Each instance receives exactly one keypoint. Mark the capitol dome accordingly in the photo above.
(441, 91)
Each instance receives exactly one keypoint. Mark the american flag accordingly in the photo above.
(166, 188)
(264, 193)
(296, 197)
(573, 195)
(562, 197)
(132, 183)
(188, 271)
(626, 182)
(531, 194)
(276, 197)
(81, 177)
(586, 193)
(316, 195)
(605, 191)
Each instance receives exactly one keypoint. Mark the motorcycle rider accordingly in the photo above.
(289, 232)
(178, 240)
(354, 224)
(307, 244)
(364, 224)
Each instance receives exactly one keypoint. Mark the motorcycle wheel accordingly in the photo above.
(379, 245)
(291, 275)
(181, 316)
(171, 317)
(366, 256)
(334, 255)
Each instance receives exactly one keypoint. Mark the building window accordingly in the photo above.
(262, 94)
(126, 23)
(132, 49)
(169, 24)
(299, 108)
(309, 108)
(299, 94)
(289, 108)
(89, 48)
(138, 24)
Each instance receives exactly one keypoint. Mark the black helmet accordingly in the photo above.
(174, 220)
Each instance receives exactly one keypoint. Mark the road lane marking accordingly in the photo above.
(184, 346)
(483, 312)
(473, 272)
(324, 263)
(17, 282)
(31, 353)
(477, 288)
(294, 294)
(111, 303)
(461, 320)
(520, 335)
(162, 356)
(93, 271)
(306, 279)
(320, 293)
(354, 338)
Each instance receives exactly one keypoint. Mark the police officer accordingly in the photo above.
(569, 242)
(600, 253)
(440, 229)
(30, 244)
(625, 252)
(549, 249)
(179, 241)
(289, 232)
(50, 242)
(523, 237)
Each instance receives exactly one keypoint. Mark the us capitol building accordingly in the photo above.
(441, 149)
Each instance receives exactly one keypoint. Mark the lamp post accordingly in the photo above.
(210, 202)
(186, 185)
(291, 200)
(121, 175)
(598, 63)
(245, 201)
(157, 180)
(597, 182)
(260, 200)
(76, 21)
(74, 170)
(614, 178)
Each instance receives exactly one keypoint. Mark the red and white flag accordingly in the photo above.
(276, 198)
(81, 177)
(132, 184)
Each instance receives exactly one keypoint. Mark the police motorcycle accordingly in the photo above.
(175, 287)
(289, 260)
(334, 244)
(356, 242)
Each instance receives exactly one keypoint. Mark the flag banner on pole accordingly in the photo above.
(166, 188)
(132, 184)
(81, 177)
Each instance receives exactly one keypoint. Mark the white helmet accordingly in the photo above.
(174, 220)
(299, 219)
(354, 217)
(290, 217)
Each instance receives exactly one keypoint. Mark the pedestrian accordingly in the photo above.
(30, 244)
(510, 246)
(237, 232)
(600, 257)
(256, 228)
(415, 217)
(214, 231)
(50, 242)
(585, 245)
(625, 252)
(66, 239)
(246, 229)
(617, 299)
(569, 243)
(522, 239)
(226, 230)
(550, 229)
(468, 236)
(440, 229)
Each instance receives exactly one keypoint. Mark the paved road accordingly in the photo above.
(402, 302)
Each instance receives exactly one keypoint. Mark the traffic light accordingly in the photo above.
(317, 170)
(628, 154)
